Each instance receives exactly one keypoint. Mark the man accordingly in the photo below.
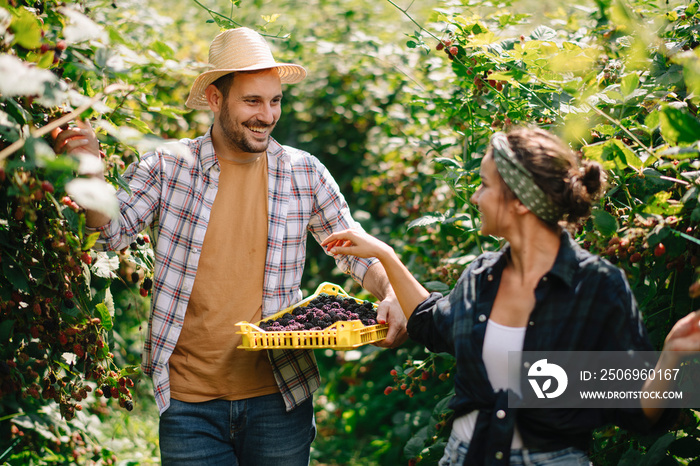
(230, 233)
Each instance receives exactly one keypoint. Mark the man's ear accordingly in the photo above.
(215, 98)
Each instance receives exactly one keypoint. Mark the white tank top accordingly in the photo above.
(498, 341)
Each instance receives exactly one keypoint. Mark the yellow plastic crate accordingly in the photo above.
(343, 335)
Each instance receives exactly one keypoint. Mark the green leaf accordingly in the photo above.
(105, 265)
(6, 327)
(130, 370)
(105, 316)
(16, 276)
(678, 127)
(652, 120)
(116, 178)
(659, 204)
(27, 29)
(621, 154)
(657, 452)
(629, 83)
(658, 234)
(631, 457)
(426, 220)
(437, 286)
(91, 240)
(416, 444)
(604, 222)
(685, 447)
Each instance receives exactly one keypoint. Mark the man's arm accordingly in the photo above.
(81, 138)
(376, 282)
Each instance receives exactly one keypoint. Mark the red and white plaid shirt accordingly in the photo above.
(175, 197)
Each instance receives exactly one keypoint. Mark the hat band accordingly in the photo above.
(521, 181)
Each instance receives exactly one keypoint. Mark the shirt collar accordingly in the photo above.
(564, 267)
(208, 156)
(567, 260)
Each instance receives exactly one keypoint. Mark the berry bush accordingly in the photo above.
(64, 362)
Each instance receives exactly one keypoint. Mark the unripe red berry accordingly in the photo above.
(46, 186)
(660, 250)
(388, 390)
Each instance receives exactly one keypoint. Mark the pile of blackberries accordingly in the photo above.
(322, 312)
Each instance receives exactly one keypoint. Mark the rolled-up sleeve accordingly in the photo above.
(431, 322)
(331, 214)
(138, 207)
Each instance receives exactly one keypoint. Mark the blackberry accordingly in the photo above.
(322, 312)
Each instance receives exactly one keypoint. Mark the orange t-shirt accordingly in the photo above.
(228, 288)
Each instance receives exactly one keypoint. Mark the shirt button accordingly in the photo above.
(482, 317)
(500, 414)
(489, 277)
(544, 279)
(526, 365)
(499, 455)
(531, 323)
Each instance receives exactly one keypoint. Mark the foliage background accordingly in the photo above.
(400, 125)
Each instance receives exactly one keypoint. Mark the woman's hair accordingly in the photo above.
(573, 185)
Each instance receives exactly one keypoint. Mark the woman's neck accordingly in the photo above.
(533, 250)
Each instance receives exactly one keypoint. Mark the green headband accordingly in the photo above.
(521, 181)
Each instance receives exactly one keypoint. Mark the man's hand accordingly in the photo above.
(389, 311)
(78, 138)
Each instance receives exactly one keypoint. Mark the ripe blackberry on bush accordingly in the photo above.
(322, 312)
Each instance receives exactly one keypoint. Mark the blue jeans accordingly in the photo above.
(255, 431)
(456, 452)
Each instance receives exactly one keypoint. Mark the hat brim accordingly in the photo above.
(289, 74)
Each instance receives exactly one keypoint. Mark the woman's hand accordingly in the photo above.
(356, 243)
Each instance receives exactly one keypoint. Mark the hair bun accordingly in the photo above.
(593, 177)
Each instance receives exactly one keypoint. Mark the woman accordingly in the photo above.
(540, 292)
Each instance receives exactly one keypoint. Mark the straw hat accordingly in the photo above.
(239, 49)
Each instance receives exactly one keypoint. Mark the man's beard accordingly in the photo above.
(237, 139)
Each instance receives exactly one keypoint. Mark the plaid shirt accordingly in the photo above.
(582, 304)
(175, 199)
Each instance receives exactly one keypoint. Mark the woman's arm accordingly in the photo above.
(409, 292)
(684, 337)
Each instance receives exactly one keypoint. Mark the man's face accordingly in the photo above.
(251, 111)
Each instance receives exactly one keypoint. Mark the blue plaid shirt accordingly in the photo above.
(583, 303)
